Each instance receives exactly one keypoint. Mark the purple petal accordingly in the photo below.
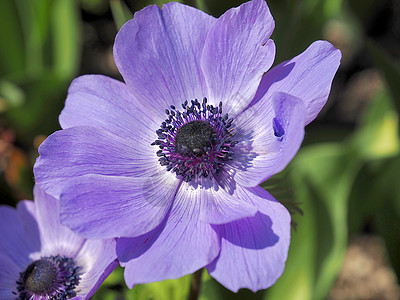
(15, 241)
(107, 207)
(81, 150)
(9, 274)
(180, 246)
(307, 76)
(236, 54)
(253, 250)
(27, 216)
(158, 54)
(219, 206)
(55, 238)
(97, 260)
(271, 132)
(106, 103)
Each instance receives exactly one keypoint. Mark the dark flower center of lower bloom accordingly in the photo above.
(53, 277)
(195, 142)
(39, 276)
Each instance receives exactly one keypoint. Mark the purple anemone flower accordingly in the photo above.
(40, 259)
(170, 161)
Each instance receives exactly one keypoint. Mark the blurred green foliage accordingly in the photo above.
(342, 179)
(39, 56)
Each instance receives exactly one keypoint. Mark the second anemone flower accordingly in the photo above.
(40, 259)
(170, 161)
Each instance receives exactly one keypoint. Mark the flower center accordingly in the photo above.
(39, 276)
(53, 277)
(196, 137)
(195, 142)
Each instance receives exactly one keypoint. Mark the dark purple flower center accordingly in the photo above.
(40, 276)
(53, 277)
(195, 142)
(195, 137)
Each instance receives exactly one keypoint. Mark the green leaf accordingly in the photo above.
(332, 7)
(12, 94)
(201, 4)
(322, 176)
(113, 287)
(361, 209)
(121, 13)
(12, 57)
(390, 69)
(34, 17)
(164, 290)
(378, 135)
(212, 290)
(97, 7)
(386, 196)
(44, 96)
(66, 38)
(376, 201)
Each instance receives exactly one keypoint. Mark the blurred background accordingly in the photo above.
(343, 187)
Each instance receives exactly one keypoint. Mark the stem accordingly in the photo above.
(195, 285)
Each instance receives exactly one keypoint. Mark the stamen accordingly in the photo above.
(53, 277)
(195, 142)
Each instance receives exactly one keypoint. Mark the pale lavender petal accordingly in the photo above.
(158, 54)
(180, 246)
(9, 274)
(307, 76)
(15, 242)
(27, 216)
(82, 150)
(271, 133)
(219, 205)
(253, 250)
(106, 103)
(95, 268)
(236, 54)
(55, 238)
(106, 207)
